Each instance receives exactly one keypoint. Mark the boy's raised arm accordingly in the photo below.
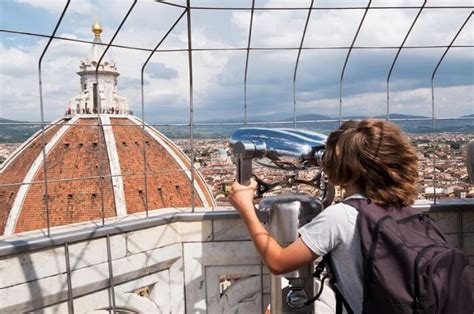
(278, 259)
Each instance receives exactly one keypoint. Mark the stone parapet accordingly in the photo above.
(173, 268)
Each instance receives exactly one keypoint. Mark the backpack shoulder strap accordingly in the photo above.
(340, 300)
(357, 203)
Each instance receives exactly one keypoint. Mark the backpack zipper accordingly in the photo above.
(421, 217)
(438, 257)
(417, 293)
(436, 295)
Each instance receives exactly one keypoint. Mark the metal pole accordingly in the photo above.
(347, 58)
(191, 101)
(295, 8)
(396, 58)
(276, 294)
(247, 62)
(70, 302)
(43, 140)
(111, 274)
(262, 305)
(433, 116)
(298, 60)
(98, 106)
(143, 106)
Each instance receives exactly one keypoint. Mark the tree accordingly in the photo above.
(454, 145)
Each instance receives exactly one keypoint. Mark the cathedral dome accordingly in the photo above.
(76, 154)
(95, 163)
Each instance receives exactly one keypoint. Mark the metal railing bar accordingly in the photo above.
(136, 174)
(407, 119)
(21, 245)
(319, 48)
(396, 58)
(191, 99)
(79, 125)
(247, 62)
(142, 89)
(307, 121)
(98, 107)
(171, 4)
(70, 298)
(299, 121)
(298, 60)
(82, 41)
(433, 102)
(225, 123)
(113, 37)
(43, 140)
(111, 274)
(347, 59)
(319, 8)
(232, 48)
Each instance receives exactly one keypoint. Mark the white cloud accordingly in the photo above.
(16, 60)
(78, 6)
(218, 76)
(449, 102)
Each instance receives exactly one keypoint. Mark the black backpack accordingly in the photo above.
(408, 265)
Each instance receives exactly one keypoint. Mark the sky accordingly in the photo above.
(218, 88)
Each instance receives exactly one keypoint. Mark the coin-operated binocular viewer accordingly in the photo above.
(294, 151)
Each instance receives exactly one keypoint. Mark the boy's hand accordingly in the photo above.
(241, 196)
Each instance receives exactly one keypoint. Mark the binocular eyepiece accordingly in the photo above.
(305, 148)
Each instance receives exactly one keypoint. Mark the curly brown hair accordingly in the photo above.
(377, 157)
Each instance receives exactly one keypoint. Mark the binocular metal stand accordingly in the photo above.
(284, 214)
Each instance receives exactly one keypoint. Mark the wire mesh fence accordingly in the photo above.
(296, 51)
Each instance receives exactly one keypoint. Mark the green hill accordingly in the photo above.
(12, 131)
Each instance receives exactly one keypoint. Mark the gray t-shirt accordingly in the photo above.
(334, 230)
